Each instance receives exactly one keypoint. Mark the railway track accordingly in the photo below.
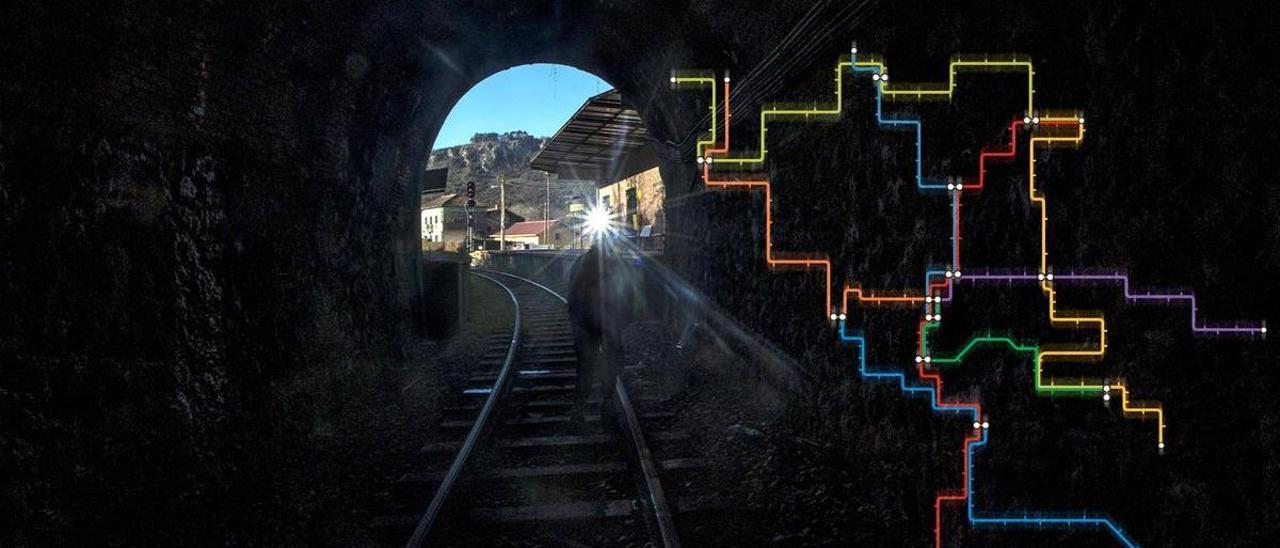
(519, 470)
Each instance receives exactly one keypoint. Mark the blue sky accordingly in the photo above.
(534, 98)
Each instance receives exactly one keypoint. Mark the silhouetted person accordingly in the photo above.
(602, 296)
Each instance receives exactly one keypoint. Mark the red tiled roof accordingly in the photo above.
(530, 228)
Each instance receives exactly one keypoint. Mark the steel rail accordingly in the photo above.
(656, 501)
(482, 424)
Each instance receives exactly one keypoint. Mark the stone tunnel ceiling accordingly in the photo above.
(198, 205)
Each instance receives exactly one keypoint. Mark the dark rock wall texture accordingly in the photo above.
(202, 202)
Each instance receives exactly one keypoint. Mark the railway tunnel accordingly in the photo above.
(210, 260)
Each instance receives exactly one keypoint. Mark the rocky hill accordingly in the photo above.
(489, 155)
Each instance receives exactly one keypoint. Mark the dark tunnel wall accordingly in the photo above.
(199, 204)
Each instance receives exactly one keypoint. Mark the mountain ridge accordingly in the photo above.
(489, 155)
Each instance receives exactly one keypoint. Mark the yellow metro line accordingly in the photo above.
(766, 113)
(917, 91)
(711, 82)
(1045, 282)
(959, 62)
(1131, 410)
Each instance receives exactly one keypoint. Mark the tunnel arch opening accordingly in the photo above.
(419, 70)
(524, 156)
(478, 180)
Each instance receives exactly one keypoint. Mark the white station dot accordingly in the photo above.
(1035, 120)
(1026, 119)
(726, 79)
(1081, 120)
(1263, 330)
(951, 186)
(842, 316)
(977, 425)
(1040, 277)
(854, 50)
(1048, 277)
(884, 77)
(700, 160)
(1160, 445)
(957, 273)
(919, 359)
(948, 274)
(937, 317)
(875, 77)
(986, 425)
(833, 316)
(673, 79)
(928, 317)
(1106, 388)
(709, 159)
(928, 359)
(1106, 397)
(959, 186)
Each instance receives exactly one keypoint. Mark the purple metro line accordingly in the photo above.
(1198, 326)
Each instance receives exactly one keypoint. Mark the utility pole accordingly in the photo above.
(471, 206)
(546, 211)
(502, 213)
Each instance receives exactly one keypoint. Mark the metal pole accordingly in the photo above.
(502, 213)
(546, 211)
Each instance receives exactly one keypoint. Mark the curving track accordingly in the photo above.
(524, 473)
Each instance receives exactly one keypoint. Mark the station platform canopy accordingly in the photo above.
(605, 141)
